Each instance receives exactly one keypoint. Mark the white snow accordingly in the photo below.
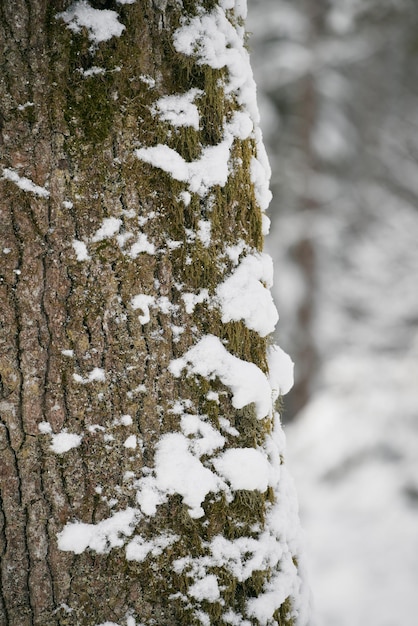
(130, 442)
(24, 183)
(97, 374)
(244, 468)
(280, 371)
(45, 428)
(64, 441)
(260, 173)
(110, 226)
(210, 359)
(141, 245)
(202, 174)
(205, 589)
(93, 71)
(179, 471)
(139, 548)
(22, 107)
(179, 109)
(80, 250)
(69, 353)
(204, 232)
(206, 439)
(245, 295)
(191, 299)
(143, 302)
(101, 24)
(101, 537)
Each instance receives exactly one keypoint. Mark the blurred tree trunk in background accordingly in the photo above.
(109, 268)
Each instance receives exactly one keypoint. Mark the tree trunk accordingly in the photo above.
(123, 401)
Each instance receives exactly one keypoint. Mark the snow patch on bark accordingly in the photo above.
(80, 250)
(179, 109)
(210, 359)
(101, 24)
(64, 441)
(245, 295)
(25, 184)
(101, 537)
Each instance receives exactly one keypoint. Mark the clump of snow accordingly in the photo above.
(243, 296)
(205, 589)
(260, 173)
(244, 468)
(69, 353)
(212, 168)
(141, 245)
(130, 442)
(191, 299)
(234, 252)
(280, 371)
(185, 197)
(178, 470)
(179, 109)
(143, 302)
(45, 428)
(64, 441)
(101, 537)
(110, 226)
(80, 250)
(206, 438)
(24, 183)
(210, 359)
(202, 174)
(97, 374)
(101, 24)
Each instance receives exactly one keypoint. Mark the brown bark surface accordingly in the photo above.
(75, 135)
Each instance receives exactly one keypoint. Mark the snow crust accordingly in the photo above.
(25, 184)
(101, 24)
(245, 295)
(209, 358)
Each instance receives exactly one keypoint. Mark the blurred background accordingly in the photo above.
(338, 95)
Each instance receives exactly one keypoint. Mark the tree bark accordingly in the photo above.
(87, 391)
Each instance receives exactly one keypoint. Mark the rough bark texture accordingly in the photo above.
(75, 134)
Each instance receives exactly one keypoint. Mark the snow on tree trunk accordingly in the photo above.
(141, 466)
